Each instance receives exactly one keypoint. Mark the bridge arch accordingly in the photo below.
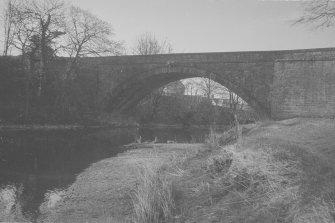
(128, 94)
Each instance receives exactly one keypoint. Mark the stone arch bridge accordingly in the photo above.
(277, 84)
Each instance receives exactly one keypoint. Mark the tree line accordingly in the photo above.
(40, 31)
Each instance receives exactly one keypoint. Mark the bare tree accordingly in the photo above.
(210, 88)
(88, 35)
(321, 13)
(148, 44)
(206, 86)
(234, 101)
(39, 23)
(235, 104)
(9, 25)
(31, 26)
(23, 30)
(19, 32)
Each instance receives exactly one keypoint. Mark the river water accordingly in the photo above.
(36, 166)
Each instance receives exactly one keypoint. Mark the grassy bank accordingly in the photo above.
(105, 192)
(282, 172)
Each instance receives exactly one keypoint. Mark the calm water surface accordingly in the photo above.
(36, 166)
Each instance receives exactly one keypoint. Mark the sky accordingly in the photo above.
(212, 25)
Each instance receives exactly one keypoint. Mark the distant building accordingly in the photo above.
(174, 88)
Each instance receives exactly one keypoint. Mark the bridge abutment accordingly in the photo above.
(303, 88)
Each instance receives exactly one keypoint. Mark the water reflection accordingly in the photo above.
(36, 166)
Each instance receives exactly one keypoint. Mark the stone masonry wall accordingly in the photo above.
(303, 88)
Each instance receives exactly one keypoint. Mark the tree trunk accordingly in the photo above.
(26, 68)
(43, 56)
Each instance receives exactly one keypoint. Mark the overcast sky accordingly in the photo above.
(212, 25)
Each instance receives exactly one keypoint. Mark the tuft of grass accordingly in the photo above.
(153, 197)
(212, 138)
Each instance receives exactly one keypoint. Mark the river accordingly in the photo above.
(35, 166)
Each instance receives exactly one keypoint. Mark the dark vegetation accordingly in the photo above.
(21, 104)
(188, 110)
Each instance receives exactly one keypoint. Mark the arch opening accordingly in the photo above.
(130, 93)
(192, 101)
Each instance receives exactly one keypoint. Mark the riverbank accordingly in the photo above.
(282, 172)
(6, 127)
(102, 193)
(65, 126)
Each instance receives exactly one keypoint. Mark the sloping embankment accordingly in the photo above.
(102, 193)
(283, 172)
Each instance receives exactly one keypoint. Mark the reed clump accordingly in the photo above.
(153, 196)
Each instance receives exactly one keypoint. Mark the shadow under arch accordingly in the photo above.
(129, 93)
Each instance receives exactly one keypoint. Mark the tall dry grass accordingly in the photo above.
(266, 184)
(212, 138)
(317, 211)
(260, 182)
(259, 187)
(153, 197)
